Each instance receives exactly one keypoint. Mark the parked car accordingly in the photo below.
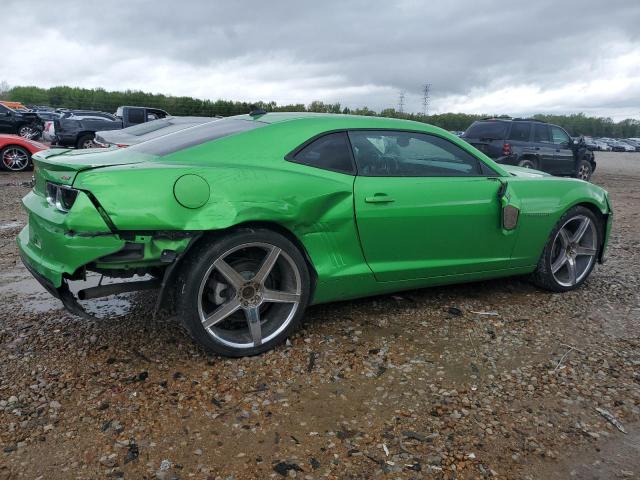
(631, 145)
(616, 145)
(77, 128)
(48, 132)
(47, 116)
(146, 131)
(14, 106)
(24, 123)
(252, 218)
(16, 152)
(591, 144)
(532, 144)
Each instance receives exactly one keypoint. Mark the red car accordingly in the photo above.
(16, 151)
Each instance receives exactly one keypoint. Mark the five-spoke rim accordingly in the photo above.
(574, 250)
(15, 159)
(249, 295)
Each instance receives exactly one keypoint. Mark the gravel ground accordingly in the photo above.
(423, 384)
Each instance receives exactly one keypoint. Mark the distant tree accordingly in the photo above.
(101, 99)
(4, 90)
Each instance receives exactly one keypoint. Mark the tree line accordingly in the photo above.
(108, 101)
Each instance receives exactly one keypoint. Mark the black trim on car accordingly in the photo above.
(290, 157)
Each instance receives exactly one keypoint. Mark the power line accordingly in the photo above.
(426, 99)
(401, 101)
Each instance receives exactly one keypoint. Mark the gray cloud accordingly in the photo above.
(535, 56)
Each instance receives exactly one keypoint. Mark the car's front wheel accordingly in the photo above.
(584, 170)
(244, 293)
(571, 251)
(15, 158)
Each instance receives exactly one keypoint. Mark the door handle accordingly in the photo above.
(537, 148)
(379, 198)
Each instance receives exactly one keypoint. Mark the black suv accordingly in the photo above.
(25, 124)
(532, 144)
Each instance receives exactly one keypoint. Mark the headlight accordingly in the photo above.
(61, 196)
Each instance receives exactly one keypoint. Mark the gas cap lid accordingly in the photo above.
(191, 191)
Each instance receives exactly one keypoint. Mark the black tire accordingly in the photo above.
(528, 163)
(584, 170)
(11, 163)
(543, 276)
(29, 132)
(85, 141)
(277, 320)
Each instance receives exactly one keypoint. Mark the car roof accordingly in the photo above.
(339, 120)
(509, 120)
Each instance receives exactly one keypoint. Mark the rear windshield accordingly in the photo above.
(147, 127)
(193, 136)
(486, 129)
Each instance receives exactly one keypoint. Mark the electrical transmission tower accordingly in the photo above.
(401, 101)
(426, 99)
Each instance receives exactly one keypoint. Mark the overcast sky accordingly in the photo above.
(480, 56)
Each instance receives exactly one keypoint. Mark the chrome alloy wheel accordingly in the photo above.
(27, 132)
(574, 250)
(15, 159)
(584, 172)
(249, 295)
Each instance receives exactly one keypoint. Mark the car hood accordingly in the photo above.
(61, 165)
(524, 172)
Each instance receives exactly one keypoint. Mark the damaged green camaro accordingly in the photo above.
(250, 219)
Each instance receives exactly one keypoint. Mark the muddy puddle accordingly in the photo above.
(32, 297)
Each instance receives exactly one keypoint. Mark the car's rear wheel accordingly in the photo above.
(86, 141)
(244, 293)
(15, 158)
(571, 251)
(527, 163)
(584, 170)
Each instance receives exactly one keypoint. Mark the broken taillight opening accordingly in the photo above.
(61, 196)
(506, 149)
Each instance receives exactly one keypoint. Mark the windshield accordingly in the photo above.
(193, 136)
(491, 129)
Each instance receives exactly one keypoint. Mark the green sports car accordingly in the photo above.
(243, 222)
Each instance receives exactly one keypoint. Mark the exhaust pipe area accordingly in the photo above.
(113, 288)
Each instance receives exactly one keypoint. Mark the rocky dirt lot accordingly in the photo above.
(493, 379)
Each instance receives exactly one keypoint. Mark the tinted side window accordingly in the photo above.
(136, 115)
(541, 133)
(495, 130)
(3, 109)
(329, 152)
(407, 154)
(520, 131)
(559, 136)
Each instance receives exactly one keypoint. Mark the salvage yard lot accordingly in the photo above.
(492, 378)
